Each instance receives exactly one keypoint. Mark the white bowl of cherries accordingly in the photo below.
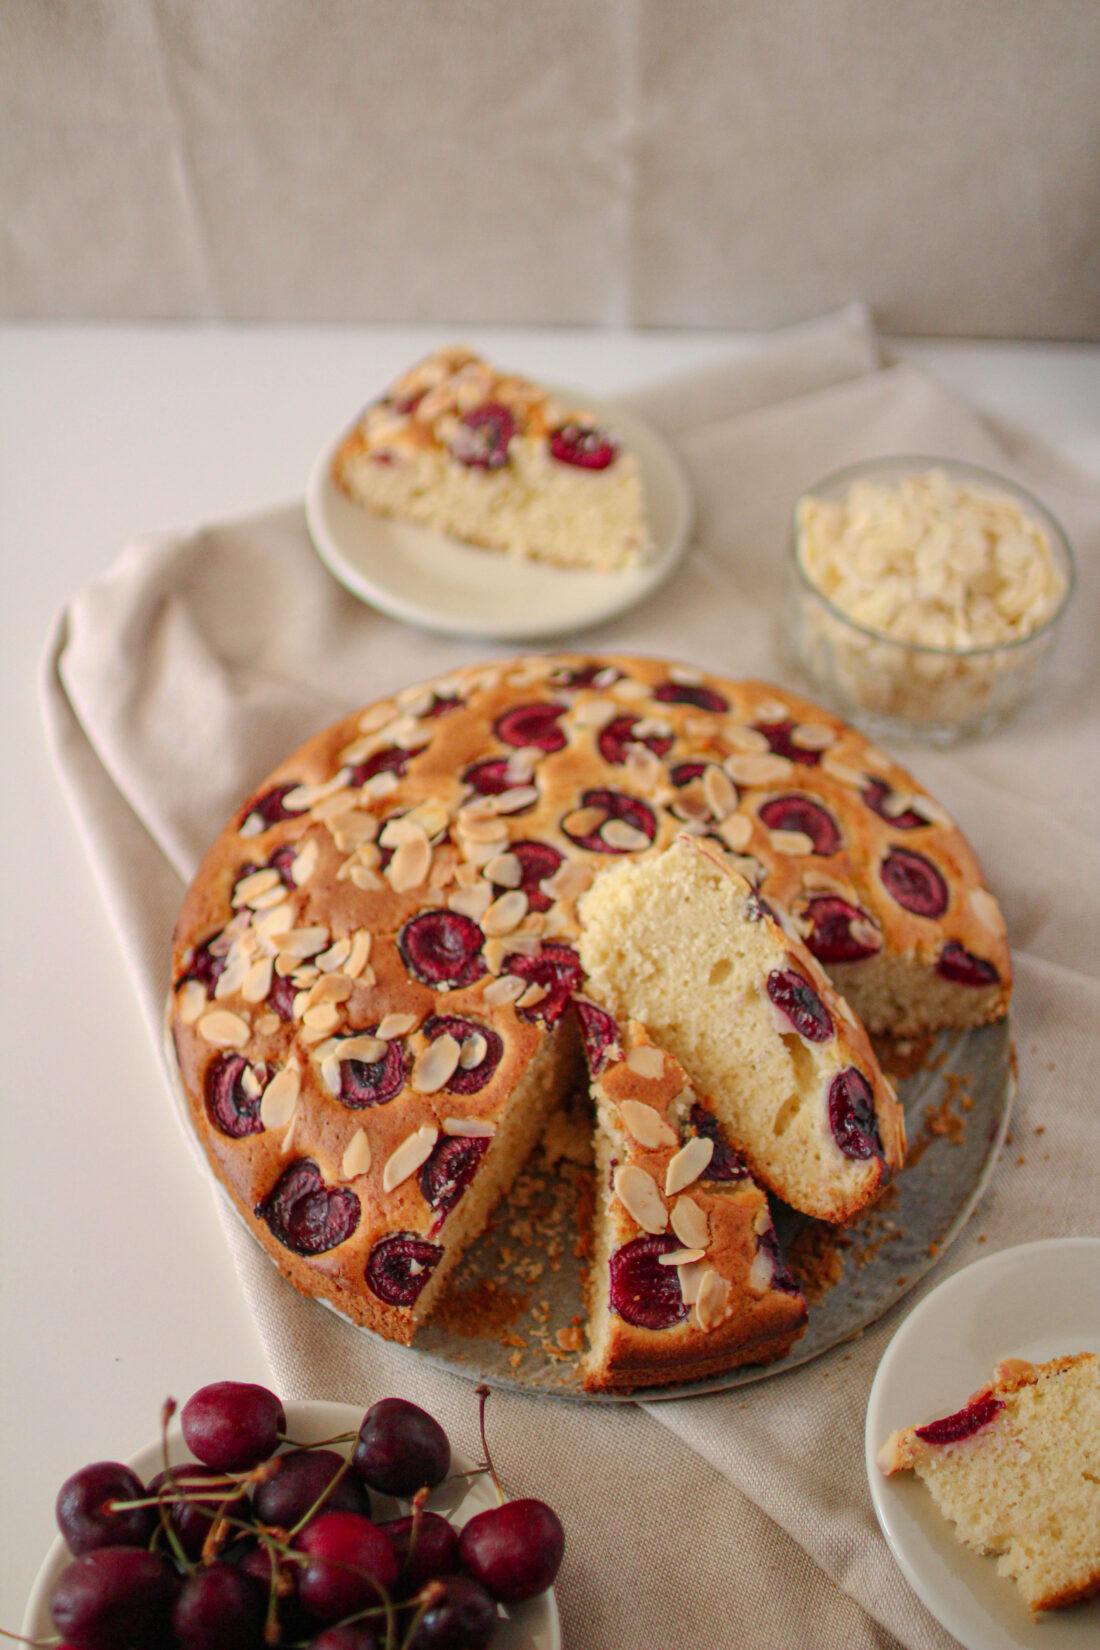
(251, 1524)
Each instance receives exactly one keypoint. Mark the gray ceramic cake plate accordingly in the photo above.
(515, 1312)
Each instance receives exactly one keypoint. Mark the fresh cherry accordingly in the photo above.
(515, 1550)
(348, 1635)
(305, 1480)
(116, 1598)
(400, 1265)
(643, 1292)
(220, 1607)
(425, 1546)
(458, 1615)
(83, 1509)
(349, 1562)
(193, 1498)
(401, 1448)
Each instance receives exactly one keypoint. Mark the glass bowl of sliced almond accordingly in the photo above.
(924, 596)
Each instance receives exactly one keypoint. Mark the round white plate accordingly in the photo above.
(428, 579)
(1037, 1301)
(530, 1626)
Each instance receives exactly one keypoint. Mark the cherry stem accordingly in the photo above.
(320, 1443)
(482, 1398)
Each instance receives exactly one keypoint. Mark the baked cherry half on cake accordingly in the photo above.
(388, 963)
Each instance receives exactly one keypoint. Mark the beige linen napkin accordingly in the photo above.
(180, 677)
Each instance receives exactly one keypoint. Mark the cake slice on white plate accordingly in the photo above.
(497, 461)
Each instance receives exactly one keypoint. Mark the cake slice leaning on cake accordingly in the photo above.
(1017, 1471)
(687, 1278)
(684, 944)
(497, 461)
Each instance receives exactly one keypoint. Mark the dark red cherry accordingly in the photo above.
(466, 1079)
(305, 1214)
(231, 1110)
(691, 693)
(684, 773)
(782, 1277)
(454, 1161)
(725, 1165)
(963, 1423)
(798, 813)
(583, 445)
(83, 1509)
(302, 1481)
(116, 1598)
(778, 735)
(400, 1265)
(830, 937)
(347, 1635)
(440, 705)
(643, 1292)
(393, 759)
(962, 967)
(372, 1082)
(206, 965)
(614, 805)
(537, 861)
(349, 1562)
(795, 997)
(599, 1033)
(220, 1607)
(597, 674)
(914, 882)
(481, 442)
(557, 969)
(232, 1425)
(191, 1518)
(515, 1550)
(269, 807)
(425, 1546)
(281, 995)
(490, 778)
(852, 1115)
(459, 1615)
(442, 948)
(532, 726)
(401, 1448)
(616, 737)
(877, 793)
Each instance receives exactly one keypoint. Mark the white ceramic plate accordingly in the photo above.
(1037, 1301)
(530, 1626)
(425, 578)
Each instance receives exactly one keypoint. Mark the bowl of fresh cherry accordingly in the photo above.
(251, 1523)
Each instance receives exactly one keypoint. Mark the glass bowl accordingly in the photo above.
(904, 689)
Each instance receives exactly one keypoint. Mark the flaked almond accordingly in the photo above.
(987, 911)
(268, 1024)
(307, 796)
(688, 1164)
(275, 923)
(233, 975)
(303, 942)
(267, 902)
(934, 813)
(364, 878)
(479, 1127)
(813, 736)
(363, 1047)
(527, 942)
(690, 1223)
(594, 713)
(397, 1025)
(356, 964)
(353, 830)
(257, 981)
(357, 1156)
(333, 806)
(520, 796)
(719, 790)
(532, 997)
(474, 1050)
(223, 1029)
(414, 1150)
(864, 932)
(646, 1061)
(250, 1084)
(646, 1125)
(376, 716)
(617, 833)
(583, 821)
(571, 879)
(190, 1002)
(436, 1065)
(410, 864)
(522, 763)
(321, 1017)
(842, 772)
(258, 883)
(480, 853)
(304, 863)
(280, 1098)
(752, 768)
(507, 989)
(331, 988)
(631, 688)
(637, 1192)
(505, 870)
(680, 1257)
(396, 831)
(749, 740)
(791, 842)
(466, 874)
(686, 675)
(736, 832)
(712, 1299)
(505, 913)
(330, 1071)
(381, 784)
(444, 866)
(643, 769)
(761, 1272)
(691, 1276)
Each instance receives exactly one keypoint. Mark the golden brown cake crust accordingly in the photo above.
(576, 759)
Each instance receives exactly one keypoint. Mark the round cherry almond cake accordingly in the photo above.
(376, 969)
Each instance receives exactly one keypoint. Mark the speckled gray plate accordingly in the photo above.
(967, 1080)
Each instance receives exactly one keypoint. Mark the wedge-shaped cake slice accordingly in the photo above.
(1017, 1471)
(498, 461)
(683, 943)
(687, 1278)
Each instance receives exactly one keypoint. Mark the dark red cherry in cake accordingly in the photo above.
(778, 735)
(724, 1165)
(782, 1277)
(799, 813)
(643, 1292)
(466, 1079)
(442, 948)
(831, 937)
(220, 1607)
(400, 1265)
(536, 725)
(557, 969)
(796, 999)
(454, 1161)
(597, 674)
(232, 1425)
(962, 967)
(599, 1033)
(305, 1479)
(281, 995)
(84, 1514)
(585, 446)
(267, 809)
(232, 1098)
(392, 759)
(691, 693)
(964, 1423)
(613, 805)
(481, 442)
(116, 1598)
(617, 736)
(877, 795)
(207, 965)
(348, 1564)
(490, 777)
(914, 882)
(537, 862)
(306, 1215)
(852, 1115)
(685, 772)
(514, 1550)
(372, 1082)
(401, 1448)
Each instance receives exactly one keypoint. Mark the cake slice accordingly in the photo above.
(1017, 1471)
(687, 1278)
(497, 461)
(684, 944)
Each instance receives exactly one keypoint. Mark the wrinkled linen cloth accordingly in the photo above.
(741, 1518)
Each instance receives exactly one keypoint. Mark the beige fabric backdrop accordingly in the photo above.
(619, 162)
